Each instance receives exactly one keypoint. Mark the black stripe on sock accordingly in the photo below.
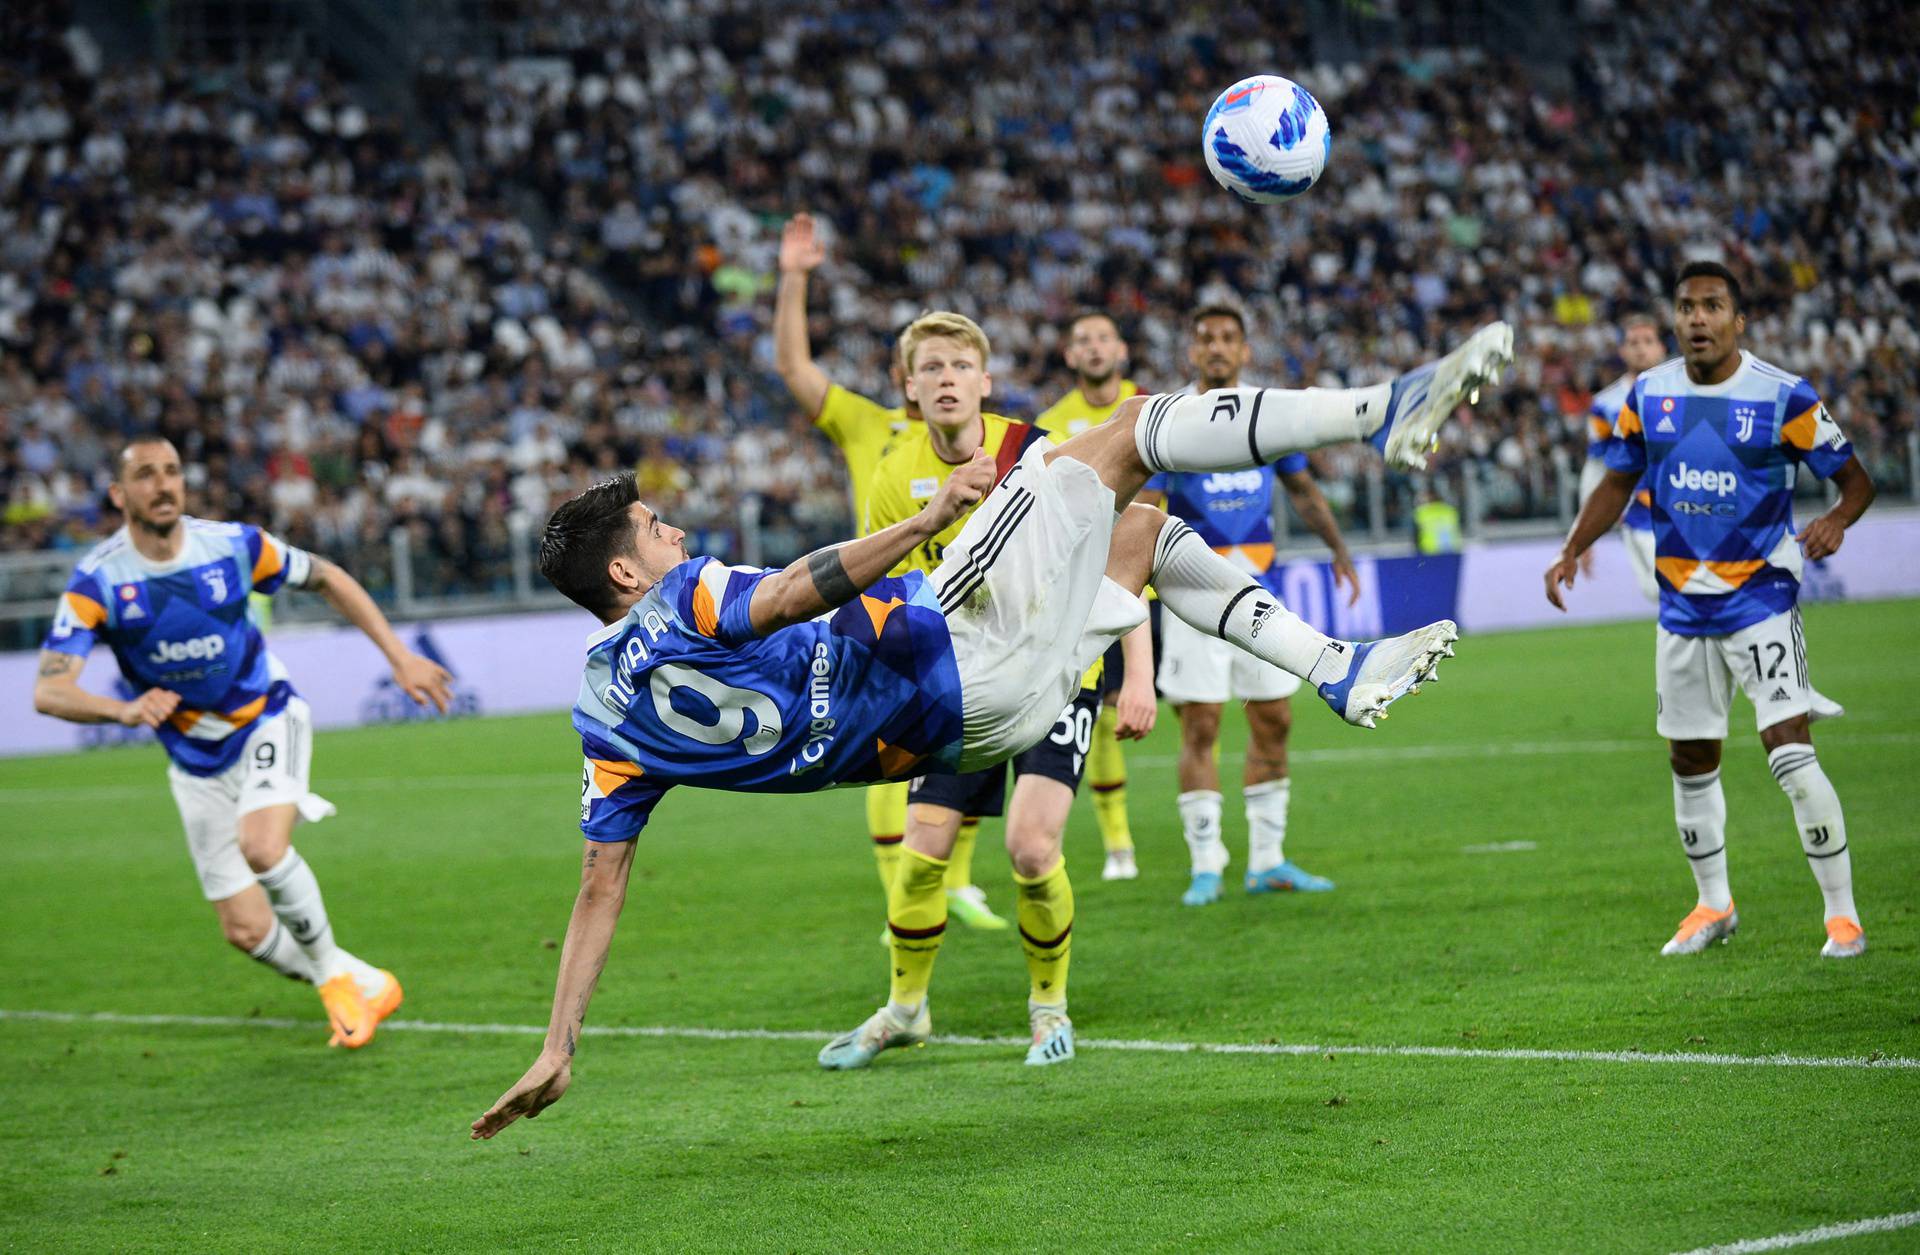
(1253, 422)
(1229, 610)
(274, 879)
(1828, 854)
(916, 934)
(1786, 765)
(271, 946)
(1709, 854)
(893, 838)
(1038, 944)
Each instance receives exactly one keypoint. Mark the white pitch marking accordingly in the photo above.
(1806, 1237)
(1499, 847)
(675, 1032)
(520, 781)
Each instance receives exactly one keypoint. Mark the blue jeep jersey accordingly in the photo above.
(682, 691)
(184, 626)
(1600, 420)
(1720, 460)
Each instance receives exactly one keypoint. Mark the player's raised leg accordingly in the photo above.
(1358, 679)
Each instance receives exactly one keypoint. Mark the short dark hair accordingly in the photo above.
(1081, 316)
(1219, 311)
(585, 534)
(1710, 270)
(134, 441)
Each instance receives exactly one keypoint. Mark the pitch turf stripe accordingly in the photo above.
(1138, 1046)
(1806, 1237)
(520, 781)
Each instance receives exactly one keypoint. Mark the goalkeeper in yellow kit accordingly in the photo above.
(862, 429)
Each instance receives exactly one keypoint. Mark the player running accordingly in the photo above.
(830, 672)
(1097, 355)
(1233, 512)
(168, 594)
(947, 357)
(1718, 435)
(862, 429)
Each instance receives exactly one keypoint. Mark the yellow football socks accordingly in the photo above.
(887, 825)
(1107, 774)
(1046, 933)
(916, 918)
(960, 861)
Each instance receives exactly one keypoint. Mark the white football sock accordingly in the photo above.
(283, 954)
(1700, 813)
(1200, 824)
(295, 894)
(1233, 429)
(1212, 595)
(1823, 828)
(1267, 823)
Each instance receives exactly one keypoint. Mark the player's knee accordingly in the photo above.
(1693, 758)
(262, 848)
(1199, 726)
(245, 933)
(1032, 849)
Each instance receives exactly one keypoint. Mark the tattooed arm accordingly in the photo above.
(827, 579)
(603, 891)
(57, 692)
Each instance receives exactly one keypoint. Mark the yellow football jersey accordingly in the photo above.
(862, 429)
(1071, 414)
(911, 472)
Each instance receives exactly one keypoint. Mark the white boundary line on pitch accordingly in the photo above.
(671, 1032)
(1360, 754)
(1806, 1237)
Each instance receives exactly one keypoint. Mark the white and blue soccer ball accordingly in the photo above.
(1267, 139)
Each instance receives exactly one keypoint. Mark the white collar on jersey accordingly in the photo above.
(1725, 385)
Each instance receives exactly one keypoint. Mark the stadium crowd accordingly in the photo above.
(349, 328)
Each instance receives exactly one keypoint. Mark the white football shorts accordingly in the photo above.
(1696, 676)
(1195, 667)
(271, 771)
(1028, 602)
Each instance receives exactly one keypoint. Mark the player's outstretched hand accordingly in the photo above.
(151, 709)
(424, 680)
(963, 489)
(1821, 538)
(1560, 575)
(800, 246)
(532, 1094)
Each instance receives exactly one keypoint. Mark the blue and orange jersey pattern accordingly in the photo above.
(1720, 460)
(683, 691)
(184, 626)
(1600, 418)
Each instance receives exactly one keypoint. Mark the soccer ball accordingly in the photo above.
(1267, 139)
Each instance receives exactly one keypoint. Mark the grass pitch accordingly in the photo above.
(1507, 868)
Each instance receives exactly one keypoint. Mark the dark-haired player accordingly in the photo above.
(830, 672)
(1719, 435)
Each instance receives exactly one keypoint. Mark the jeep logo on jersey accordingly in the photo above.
(1232, 481)
(199, 648)
(1690, 479)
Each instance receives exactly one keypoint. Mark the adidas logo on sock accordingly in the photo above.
(1778, 695)
(1262, 611)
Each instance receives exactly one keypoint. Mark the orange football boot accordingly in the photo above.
(353, 1022)
(1701, 928)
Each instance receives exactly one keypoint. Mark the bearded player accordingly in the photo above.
(1097, 355)
(168, 594)
(1719, 436)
